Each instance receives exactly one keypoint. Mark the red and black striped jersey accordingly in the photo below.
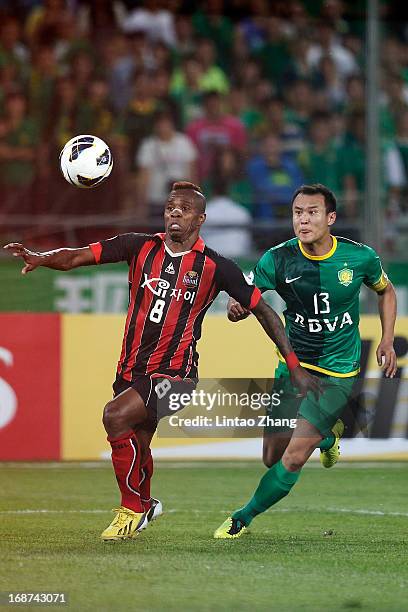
(169, 294)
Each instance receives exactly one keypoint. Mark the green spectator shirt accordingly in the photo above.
(240, 191)
(19, 172)
(353, 156)
(275, 58)
(402, 144)
(322, 300)
(322, 167)
(220, 30)
(190, 104)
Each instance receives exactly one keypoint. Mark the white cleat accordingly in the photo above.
(155, 510)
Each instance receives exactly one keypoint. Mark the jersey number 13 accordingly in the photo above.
(321, 303)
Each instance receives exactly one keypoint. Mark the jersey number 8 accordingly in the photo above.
(156, 313)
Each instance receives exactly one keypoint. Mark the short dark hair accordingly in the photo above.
(199, 197)
(186, 185)
(211, 94)
(315, 189)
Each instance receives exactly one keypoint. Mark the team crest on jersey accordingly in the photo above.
(345, 276)
(170, 269)
(190, 279)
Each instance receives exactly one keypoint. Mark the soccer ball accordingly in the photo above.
(86, 161)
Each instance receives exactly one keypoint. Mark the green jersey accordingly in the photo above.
(322, 299)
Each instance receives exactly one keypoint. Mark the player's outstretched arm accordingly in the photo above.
(59, 259)
(270, 321)
(387, 307)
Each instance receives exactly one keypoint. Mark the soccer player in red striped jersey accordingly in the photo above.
(173, 279)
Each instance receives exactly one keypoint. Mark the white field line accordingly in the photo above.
(44, 511)
(370, 512)
(364, 512)
(53, 465)
(164, 464)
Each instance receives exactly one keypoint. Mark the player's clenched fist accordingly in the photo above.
(32, 260)
(305, 382)
(236, 312)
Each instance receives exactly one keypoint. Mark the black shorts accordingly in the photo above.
(154, 389)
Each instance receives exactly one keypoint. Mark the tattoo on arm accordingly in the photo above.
(273, 326)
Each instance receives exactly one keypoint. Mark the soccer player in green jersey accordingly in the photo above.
(319, 277)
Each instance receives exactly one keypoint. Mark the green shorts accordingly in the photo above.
(322, 412)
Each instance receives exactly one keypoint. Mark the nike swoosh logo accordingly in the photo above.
(291, 280)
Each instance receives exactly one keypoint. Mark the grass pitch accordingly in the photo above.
(51, 518)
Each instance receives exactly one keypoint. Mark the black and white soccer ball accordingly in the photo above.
(86, 161)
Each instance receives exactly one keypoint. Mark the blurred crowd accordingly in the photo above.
(249, 98)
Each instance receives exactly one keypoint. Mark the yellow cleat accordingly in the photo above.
(330, 457)
(231, 528)
(124, 526)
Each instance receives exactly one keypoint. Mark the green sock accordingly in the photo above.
(327, 443)
(273, 486)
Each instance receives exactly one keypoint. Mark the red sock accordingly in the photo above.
(126, 463)
(146, 473)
